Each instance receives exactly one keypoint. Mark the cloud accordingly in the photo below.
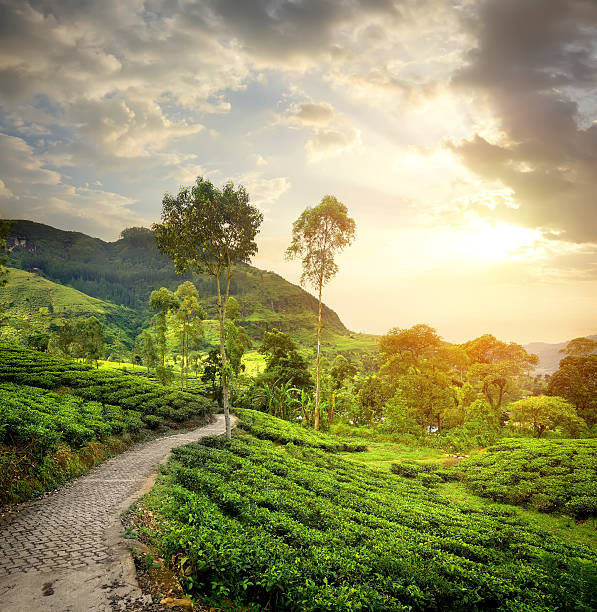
(535, 66)
(264, 191)
(28, 190)
(331, 142)
(310, 113)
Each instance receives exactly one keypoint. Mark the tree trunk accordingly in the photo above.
(317, 365)
(221, 316)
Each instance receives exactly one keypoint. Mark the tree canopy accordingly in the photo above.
(207, 230)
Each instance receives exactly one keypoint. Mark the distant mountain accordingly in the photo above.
(126, 271)
(549, 355)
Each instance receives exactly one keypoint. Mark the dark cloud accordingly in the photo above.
(536, 65)
(274, 31)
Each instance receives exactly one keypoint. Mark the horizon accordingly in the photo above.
(452, 340)
(461, 136)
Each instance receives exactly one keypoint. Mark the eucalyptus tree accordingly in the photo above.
(188, 315)
(317, 235)
(164, 301)
(208, 230)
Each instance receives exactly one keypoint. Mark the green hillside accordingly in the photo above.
(126, 271)
(32, 304)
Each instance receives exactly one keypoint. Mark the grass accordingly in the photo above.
(380, 455)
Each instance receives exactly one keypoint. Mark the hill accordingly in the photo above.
(32, 304)
(549, 354)
(126, 271)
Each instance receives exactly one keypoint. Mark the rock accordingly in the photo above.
(171, 602)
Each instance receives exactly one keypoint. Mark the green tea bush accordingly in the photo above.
(547, 475)
(32, 415)
(110, 387)
(267, 427)
(286, 527)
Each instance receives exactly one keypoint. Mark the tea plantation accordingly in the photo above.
(267, 525)
(155, 403)
(58, 417)
(263, 426)
(547, 475)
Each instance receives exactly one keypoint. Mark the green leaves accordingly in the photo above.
(292, 527)
(548, 475)
(317, 235)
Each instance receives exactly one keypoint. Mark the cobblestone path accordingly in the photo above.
(65, 551)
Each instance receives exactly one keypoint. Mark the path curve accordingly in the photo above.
(65, 552)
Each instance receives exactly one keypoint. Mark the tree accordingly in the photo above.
(164, 301)
(208, 230)
(374, 392)
(341, 370)
(148, 350)
(579, 346)
(545, 412)
(188, 315)
(496, 365)
(283, 363)
(317, 235)
(237, 338)
(576, 381)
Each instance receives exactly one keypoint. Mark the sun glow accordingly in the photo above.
(502, 241)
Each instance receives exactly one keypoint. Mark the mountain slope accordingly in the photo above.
(34, 304)
(126, 271)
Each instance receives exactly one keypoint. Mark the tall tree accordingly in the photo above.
(208, 230)
(188, 315)
(147, 346)
(164, 301)
(317, 235)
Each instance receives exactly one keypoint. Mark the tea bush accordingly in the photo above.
(32, 415)
(289, 527)
(155, 403)
(547, 475)
(267, 427)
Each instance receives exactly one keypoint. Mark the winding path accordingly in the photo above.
(65, 552)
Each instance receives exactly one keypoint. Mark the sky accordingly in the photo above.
(460, 134)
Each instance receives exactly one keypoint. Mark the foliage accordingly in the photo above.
(208, 230)
(496, 366)
(283, 362)
(579, 346)
(156, 404)
(296, 528)
(317, 235)
(547, 475)
(164, 301)
(30, 415)
(576, 381)
(544, 413)
(267, 427)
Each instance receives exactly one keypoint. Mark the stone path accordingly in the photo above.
(65, 552)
